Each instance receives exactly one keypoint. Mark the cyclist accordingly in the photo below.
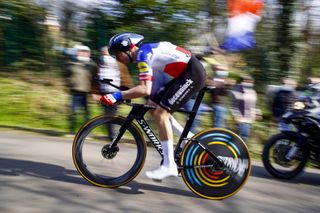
(188, 77)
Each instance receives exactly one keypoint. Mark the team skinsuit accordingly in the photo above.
(187, 72)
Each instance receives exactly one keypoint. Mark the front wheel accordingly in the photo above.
(200, 171)
(101, 164)
(274, 156)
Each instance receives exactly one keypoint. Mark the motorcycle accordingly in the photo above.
(286, 154)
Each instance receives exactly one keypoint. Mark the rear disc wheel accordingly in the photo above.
(201, 173)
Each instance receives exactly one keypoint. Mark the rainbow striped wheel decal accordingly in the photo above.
(208, 182)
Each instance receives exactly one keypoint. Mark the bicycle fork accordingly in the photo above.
(109, 151)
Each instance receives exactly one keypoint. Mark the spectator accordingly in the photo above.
(311, 88)
(120, 77)
(218, 96)
(108, 68)
(244, 100)
(79, 72)
(282, 101)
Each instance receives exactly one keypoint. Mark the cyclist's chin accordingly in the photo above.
(126, 63)
(124, 59)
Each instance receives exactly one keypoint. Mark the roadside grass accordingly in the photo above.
(41, 102)
(38, 102)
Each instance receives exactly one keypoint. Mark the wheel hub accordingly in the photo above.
(109, 152)
(279, 155)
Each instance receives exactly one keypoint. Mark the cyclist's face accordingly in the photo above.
(123, 58)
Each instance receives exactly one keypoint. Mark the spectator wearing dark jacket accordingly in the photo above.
(219, 96)
(78, 73)
(283, 100)
(244, 99)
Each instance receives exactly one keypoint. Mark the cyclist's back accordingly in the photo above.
(163, 57)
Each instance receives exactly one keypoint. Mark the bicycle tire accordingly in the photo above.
(84, 152)
(215, 184)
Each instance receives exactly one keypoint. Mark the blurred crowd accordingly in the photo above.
(283, 98)
(83, 74)
(83, 77)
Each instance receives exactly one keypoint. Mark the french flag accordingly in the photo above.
(243, 18)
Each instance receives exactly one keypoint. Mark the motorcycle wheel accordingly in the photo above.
(273, 157)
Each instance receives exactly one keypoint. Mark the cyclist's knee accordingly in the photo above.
(152, 111)
(160, 114)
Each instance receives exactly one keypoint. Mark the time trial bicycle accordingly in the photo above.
(214, 164)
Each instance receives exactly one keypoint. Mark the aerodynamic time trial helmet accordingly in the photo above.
(124, 42)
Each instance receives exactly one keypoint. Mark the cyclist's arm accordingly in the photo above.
(145, 75)
(141, 90)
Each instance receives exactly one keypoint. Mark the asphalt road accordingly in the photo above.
(37, 175)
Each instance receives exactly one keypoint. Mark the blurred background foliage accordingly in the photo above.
(34, 33)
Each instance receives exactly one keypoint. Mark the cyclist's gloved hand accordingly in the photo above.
(111, 99)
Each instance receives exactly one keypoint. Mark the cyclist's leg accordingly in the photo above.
(168, 167)
(184, 87)
(158, 87)
(176, 126)
(176, 93)
(178, 129)
(162, 118)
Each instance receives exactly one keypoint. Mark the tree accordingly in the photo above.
(165, 20)
(276, 44)
(100, 28)
(23, 35)
(311, 34)
(284, 39)
(69, 11)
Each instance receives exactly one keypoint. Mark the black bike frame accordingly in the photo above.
(191, 116)
(137, 113)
